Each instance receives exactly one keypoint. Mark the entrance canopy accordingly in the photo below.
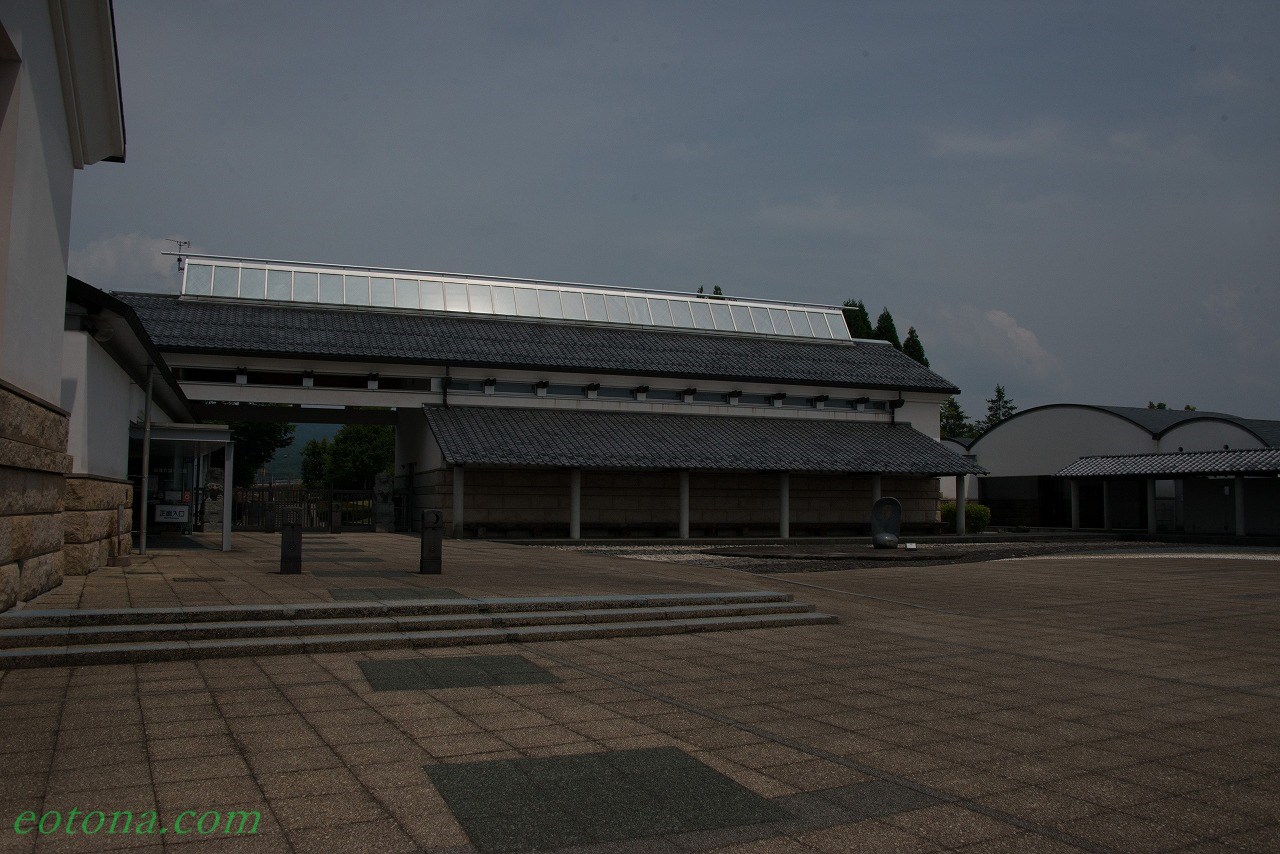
(568, 438)
(1252, 462)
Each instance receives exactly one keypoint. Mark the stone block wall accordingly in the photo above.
(33, 468)
(95, 533)
(535, 502)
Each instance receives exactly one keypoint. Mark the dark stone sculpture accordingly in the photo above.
(886, 523)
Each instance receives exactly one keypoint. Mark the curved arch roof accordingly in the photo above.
(1157, 422)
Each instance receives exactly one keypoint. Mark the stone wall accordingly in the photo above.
(33, 468)
(535, 503)
(96, 533)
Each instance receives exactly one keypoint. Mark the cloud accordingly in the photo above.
(996, 337)
(126, 262)
(1248, 331)
(1219, 80)
(683, 152)
(829, 213)
(1035, 138)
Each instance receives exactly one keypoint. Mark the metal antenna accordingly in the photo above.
(182, 261)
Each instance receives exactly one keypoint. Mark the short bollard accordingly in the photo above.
(335, 520)
(291, 548)
(431, 562)
(268, 521)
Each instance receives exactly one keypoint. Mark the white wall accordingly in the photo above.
(1041, 442)
(35, 190)
(1208, 435)
(100, 397)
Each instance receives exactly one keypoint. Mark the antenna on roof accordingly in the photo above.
(182, 261)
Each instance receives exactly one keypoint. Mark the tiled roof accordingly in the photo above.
(1249, 461)
(194, 325)
(575, 438)
(1159, 421)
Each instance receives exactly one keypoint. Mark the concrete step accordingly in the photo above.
(34, 618)
(177, 650)
(115, 633)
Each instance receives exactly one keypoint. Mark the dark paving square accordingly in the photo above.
(877, 798)
(546, 803)
(387, 594)
(475, 671)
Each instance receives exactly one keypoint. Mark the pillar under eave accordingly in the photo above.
(575, 504)
(784, 505)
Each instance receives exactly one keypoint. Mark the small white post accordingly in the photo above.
(961, 495)
(458, 493)
(575, 504)
(684, 505)
(784, 505)
(1239, 488)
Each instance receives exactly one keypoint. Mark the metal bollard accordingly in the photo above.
(291, 548)
(431, 562)
(335, 520)
(268, 521)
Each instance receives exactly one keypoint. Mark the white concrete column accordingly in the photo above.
(458, 503)
(1075, 505)
(962, 489)
(784, 505)
(1239, 488)
(875, 488)
(1151, 505)
(684, 505)
(1106, 505)
(575, 504)
(228, 494)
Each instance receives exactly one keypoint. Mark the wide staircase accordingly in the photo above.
(50, 638)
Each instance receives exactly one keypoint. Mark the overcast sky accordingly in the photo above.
(1078, 200)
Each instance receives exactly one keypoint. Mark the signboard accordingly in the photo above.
(171, 513)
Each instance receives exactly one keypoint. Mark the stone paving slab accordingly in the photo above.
(1106, 703)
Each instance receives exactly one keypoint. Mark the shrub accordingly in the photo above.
(976, 516)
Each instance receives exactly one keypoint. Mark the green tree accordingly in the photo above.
(1151, 404)
(857, 319)
(913, 348)
(886, 331)
(358, 453)
(717, 292)
(999, 408)
(315, 463)
(953, 423)
(256, 443)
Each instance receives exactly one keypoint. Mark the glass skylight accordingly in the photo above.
(277, 281)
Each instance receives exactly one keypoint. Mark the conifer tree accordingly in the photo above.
(913, 348)
(857, 319)
(952, 422)
(999, 408)
(886, 331)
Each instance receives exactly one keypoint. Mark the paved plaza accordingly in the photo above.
(1100, 702)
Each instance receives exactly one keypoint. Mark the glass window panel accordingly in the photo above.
(304, 286)
(406, 293)
(617, 308)
(279, 285)
(720, 315)
(455, 296)
(226, 281)
(481, 300)
(382, 291)
(573, 309)
(661, 312)
(742, 318)
(433, 296)
(199, 279)
(526, 302)
(330, 288)
(595, 307)
(781, 324)
(800, 322)
(760, 317)
(819, 324)
(702, 315)
(839, 329)
(639, 307)
(357, 290)
(680, 313)
(549, 304)
(253, 283)
(504, 300)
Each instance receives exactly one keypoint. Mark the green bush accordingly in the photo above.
(976, 516)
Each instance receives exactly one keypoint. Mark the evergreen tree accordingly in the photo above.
(999, 408)
(315, 463)
(1151, 404)
(358, 453)
(717, 292)
(886, 331)
(857, 319)
(256, 443)
(913, 348)
(953, 423)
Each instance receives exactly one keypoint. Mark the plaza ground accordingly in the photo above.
(1102, 701)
